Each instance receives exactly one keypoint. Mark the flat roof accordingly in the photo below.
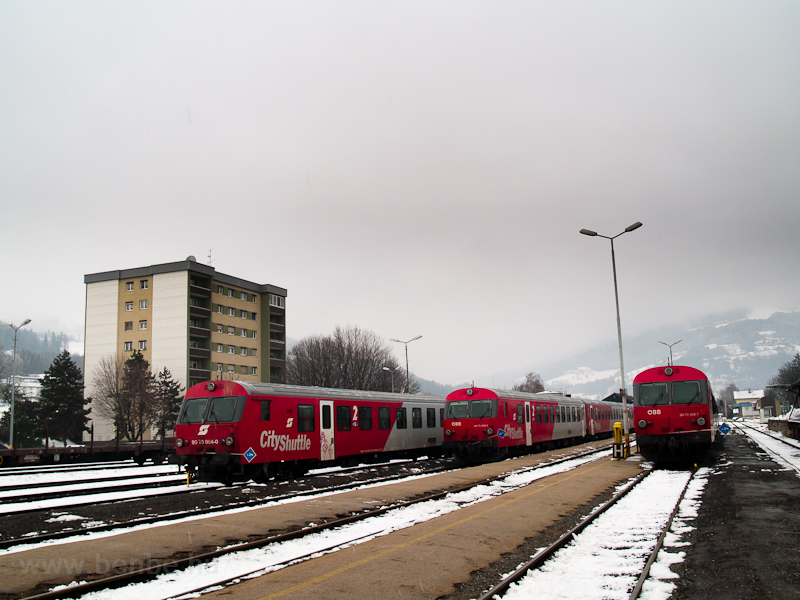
(185, 265)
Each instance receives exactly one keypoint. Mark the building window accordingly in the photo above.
(142, 325)
(231, 330)
(128, 346)
(276, 301)
(254, 316)
(231, 312)
(143, 345)
(220, 290)
(128, 325)
(243, 314)
(219, 328)
(128, 286)
(255, 298)
(231, 349)
(219, 367)
(129, 306)
(220, 309)
(143, 284)
(220, 348)
(243, 296)
(254, 371)
(231, 368)
(253, 352)
(142, 304)
(255, 335)
(244, 332)
(243, 370)
(230, 293)
(243, 351)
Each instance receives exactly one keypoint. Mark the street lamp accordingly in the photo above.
(591, 233)
(670, 348)
(14, 379)
(392, 372)
(408, 389)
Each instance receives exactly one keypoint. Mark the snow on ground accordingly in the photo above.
(96, 473)
(786, 453)
(254, 563)
(606, 559)
(94, 485)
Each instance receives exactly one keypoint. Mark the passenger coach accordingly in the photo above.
(235, 430)
(675, 413)
(485, 424)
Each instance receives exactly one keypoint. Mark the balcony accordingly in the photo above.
(199, 312)
(201, 374)
(200, 292)
(199, 353)
(199, 332)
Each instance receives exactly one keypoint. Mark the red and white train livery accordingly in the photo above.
(482, 424)
(235, 430)
(675, 413)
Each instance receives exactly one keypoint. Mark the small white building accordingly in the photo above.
(747, 405)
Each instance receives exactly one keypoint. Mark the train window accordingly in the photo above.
(343, 418)
(479, 409)
(265, 410)
(458, 410)
(552, 418)
(326, 417)
(686, 392)
(505, 409)
(365, 418)
(538, 413)
(402, 422)
(193, 410)
(558, 415)
(305, 417)
(431, 412)
(520, 417)
(527, 413)
(416, 418)
(441, 416)
(384, 420)
(563, 414)
(653, 394)
(222, 409)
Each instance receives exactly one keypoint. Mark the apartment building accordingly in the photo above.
(185, 316)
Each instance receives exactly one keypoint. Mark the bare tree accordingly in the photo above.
(532, 384)
(350, 358)
(123, 394)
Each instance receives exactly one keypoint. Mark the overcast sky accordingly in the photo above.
(413, 168)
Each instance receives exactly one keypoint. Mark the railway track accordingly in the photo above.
(783, 451)
(152, 571)
(559, 557)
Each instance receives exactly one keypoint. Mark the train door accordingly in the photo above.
(591, 420)
(528, 424)
(327, 450)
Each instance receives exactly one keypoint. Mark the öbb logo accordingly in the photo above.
(655, 411)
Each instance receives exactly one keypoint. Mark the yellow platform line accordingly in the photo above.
(421, 538)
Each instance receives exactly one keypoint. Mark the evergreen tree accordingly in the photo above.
(61, 406)
(137, 396)
(167, 402)
(27, 427)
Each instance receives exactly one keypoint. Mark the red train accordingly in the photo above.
(675, 413)
(483, 424)
(235, 430)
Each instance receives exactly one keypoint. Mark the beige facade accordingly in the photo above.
(185, 316)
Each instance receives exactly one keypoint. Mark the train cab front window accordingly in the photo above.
(479, 409)
(222, 409)
(193, 410)
(653, 394)
(686, 392)
(458, 409)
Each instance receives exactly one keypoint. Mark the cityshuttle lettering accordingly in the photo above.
(284, 443)
(514, 433)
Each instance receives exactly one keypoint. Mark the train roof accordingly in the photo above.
(540, 396)
(303, 391)
(678, 373)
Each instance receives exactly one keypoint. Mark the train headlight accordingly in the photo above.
(229, 440)
(448, 432)
(642, 424)
(179, 443)
(490, 431)
(701, 421)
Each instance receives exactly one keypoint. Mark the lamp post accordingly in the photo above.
(670, 348)
(14, 380)
(408, 389)
(392, 372)
(591, 233)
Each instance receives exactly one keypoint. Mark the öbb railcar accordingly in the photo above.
(484, 424)
(235, 431)
(675, 414)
